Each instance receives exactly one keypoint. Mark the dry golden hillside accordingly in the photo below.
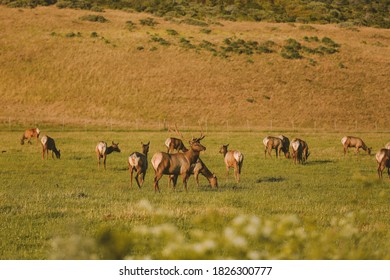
(56, 68)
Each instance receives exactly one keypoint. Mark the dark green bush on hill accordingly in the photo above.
(359, 12)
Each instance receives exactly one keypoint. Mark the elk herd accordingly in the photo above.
(183, 161)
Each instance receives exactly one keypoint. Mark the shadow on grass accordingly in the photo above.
(270, 180)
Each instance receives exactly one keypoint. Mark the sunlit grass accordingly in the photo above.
(50, 206)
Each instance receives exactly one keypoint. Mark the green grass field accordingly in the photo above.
(331, 208)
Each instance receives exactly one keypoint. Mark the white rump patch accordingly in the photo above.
(295, 145)
(265, 141)
(237, 156)
(38, 131)
(344, 139)
(44, 140)
(379, 156)
(168, 142)
(387, 146)
(156, 160)
(134, 159)
(101, 147)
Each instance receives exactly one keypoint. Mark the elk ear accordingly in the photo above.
(215, 176)
(112, 142)
(148, 143)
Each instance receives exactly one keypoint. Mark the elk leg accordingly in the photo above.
(137, 180)
(157, 177)
(104, 161)
(196, 175)
(185, 180)
(131, 176)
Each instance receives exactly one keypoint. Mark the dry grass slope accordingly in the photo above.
(51, 75)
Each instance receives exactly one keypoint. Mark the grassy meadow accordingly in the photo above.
(331, 208)
(128, 78)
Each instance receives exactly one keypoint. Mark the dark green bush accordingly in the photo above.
(148, 21)
(94, 18)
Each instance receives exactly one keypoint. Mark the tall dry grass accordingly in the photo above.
(48, 76)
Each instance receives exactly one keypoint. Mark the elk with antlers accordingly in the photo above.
(30, 133)
(138, 162)
(279, 143)
(177, 164)
(102, 151)
(356, 142)
(48, 143)
(233, 159)
(173, 143)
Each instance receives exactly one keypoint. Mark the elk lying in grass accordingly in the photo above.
(30, 133)
(356, 142)
(138, 162)
(383, 159)
(233, 159)
(279, 143)
(48, 143)
(176, 164)
(102, 151)
(199, 168)
(299, 150)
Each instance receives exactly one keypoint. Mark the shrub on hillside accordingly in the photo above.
(148, 21)
(94, 18)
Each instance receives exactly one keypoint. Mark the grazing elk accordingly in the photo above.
(176, 164)
(279, 143)
(30, 133)
(299, 150)
(200, 168)
(382, 157)
(233, 159)
(138, 162)
(49, 144)
(102, 151)
(351, 141)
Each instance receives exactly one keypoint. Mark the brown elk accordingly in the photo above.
(138, 162)
(173, 143)
(356, 142)
(382, 157)
(199, 168)
(299, 150)
(30, 133)
(279, 143)
(233, 159)
(48, 143)
(176, 164)
(102, 151)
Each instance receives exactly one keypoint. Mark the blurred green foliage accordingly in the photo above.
(357, 12)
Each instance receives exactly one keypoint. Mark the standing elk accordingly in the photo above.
(233, 159)
(30, 133)
(48, 143)
(173, 143)
(102, 151)
(279, 143)
(200, 168)
(138, 162)
(356, 142)
(299, 150)
(176, 164)
(382, 158)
